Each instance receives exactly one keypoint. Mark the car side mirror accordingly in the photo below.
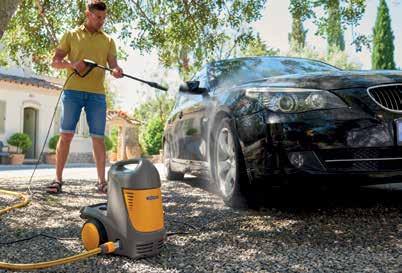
(192, 87)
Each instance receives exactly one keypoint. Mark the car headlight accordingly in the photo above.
(295, 100)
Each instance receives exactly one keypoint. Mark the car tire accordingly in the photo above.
(227, 165)
(170, 175)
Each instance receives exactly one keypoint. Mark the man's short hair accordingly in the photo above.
(96, 5)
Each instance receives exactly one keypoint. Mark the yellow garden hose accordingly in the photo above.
(23, 203)
(108, 247)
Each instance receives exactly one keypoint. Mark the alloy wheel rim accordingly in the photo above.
(226, 162)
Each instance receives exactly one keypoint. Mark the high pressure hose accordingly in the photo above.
(24, 201)
(106, 248)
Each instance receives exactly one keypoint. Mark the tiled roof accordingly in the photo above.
(29, 81)
(112, 114)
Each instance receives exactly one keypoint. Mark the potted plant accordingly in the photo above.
(22, 142)
(108, 144)
(51, 156)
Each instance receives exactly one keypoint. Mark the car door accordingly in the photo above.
(172, 128)
(193, 123)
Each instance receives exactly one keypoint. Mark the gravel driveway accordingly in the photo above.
(294, 230)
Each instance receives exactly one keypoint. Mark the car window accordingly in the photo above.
(231, 72)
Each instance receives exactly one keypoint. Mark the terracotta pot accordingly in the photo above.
(17, 159)
(51, 158)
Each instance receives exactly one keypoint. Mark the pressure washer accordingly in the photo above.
(130, 223)
(133, 215)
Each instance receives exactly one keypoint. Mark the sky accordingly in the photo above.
(274, 27)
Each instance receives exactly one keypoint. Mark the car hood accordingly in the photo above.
(331, 80)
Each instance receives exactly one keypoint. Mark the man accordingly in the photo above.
(85, 42)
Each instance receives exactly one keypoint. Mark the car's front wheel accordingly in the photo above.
(227, 165)
(170, 175)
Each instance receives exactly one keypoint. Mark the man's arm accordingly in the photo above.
(117, 72)
(60, 63)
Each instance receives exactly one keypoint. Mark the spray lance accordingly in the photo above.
(91, 65)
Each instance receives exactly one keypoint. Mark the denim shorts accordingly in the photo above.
(95, 108)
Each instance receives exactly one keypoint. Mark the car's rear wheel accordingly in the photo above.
(227, 165)
(170, 175)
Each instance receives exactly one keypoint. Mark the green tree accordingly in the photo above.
(33, 32)
(256, 47)
(336, 58)
(187, 33)
(300, 11)
(383, 40)
(7, 9)
(334, 28)
(153, 115)
(340, 14)
(159, 106)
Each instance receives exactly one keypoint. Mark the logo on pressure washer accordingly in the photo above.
(152, 197)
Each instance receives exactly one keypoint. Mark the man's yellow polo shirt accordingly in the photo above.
(81, 44)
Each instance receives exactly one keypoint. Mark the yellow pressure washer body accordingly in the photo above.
(133, 214)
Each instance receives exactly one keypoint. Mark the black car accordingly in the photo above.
(267, 118)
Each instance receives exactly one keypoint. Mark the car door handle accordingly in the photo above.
(180, 115)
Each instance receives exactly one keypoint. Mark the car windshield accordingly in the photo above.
(231, 72)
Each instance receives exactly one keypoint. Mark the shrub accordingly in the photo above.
(108, 143)
(114, 137)
(151, 136)
(21, 141)
(53, 142)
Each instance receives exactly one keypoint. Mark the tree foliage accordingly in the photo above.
(33, 32)
(338, 15)
(151, 136)
(153, 115)
(187, 33)
(300, 11)
(159, 106)
(7, 9)
(383, 40)
(257, 47)
(336, 58)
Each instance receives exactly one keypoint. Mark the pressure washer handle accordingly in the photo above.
(92, 64)
(122, 163)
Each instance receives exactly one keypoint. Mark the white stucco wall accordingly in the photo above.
(18, 97)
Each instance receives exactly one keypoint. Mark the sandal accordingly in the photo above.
(54, 187)
(102, 187)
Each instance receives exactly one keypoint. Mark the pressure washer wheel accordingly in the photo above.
(93, 234)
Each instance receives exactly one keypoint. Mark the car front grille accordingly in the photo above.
(362, 159)
(388, 96)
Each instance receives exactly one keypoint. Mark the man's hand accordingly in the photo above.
(117, 72)
(79, 66)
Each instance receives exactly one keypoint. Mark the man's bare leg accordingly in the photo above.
(62, 150)
(100, 158)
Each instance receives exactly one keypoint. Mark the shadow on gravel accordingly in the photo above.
(316, 195)
(333, 229)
